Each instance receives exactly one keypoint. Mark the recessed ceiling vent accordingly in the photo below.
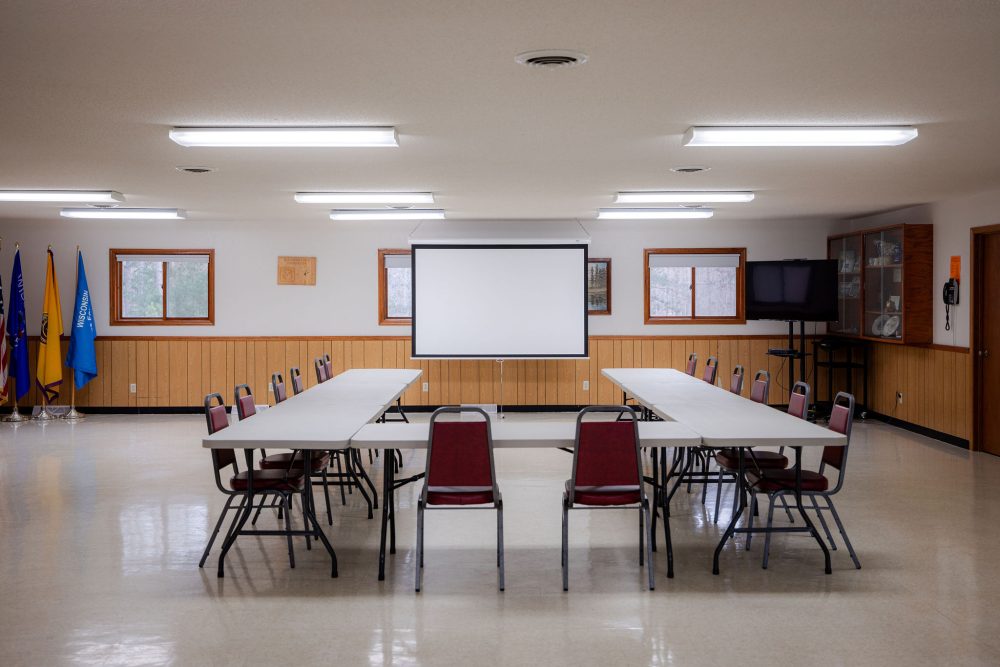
(689, 170)
(195, 170)
(551, 58)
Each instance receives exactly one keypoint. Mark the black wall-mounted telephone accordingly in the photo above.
(950, 297)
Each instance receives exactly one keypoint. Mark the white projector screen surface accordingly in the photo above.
(499, 302)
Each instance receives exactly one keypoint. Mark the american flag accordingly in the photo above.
(4, 352)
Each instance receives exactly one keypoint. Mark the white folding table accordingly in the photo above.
(323, 418)
(723, 419)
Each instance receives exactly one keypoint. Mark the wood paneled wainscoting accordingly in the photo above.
(178, 372)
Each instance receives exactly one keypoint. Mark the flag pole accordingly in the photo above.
(73, 415)
(15, 417)
(43, 413)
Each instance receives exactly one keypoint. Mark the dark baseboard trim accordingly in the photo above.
(921, 430)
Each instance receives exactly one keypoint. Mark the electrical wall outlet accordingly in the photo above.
(899, 398)
(131, 388)
(270, 388)
(586, 385)
(426, 387)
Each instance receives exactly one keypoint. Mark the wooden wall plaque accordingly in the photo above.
(296, 270)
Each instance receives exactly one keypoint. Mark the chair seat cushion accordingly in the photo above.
(604, 498)
(478, 497)
(729, 458)
(282, 460)
(770, 481)
(267, 480)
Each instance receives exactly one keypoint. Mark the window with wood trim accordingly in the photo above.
(694, 285)
(395, 303)
(162, 287)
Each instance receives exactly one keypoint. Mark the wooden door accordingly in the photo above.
(987, 342)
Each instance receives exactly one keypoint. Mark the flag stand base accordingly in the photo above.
(15, 417)
(44, 416)
(73, 415)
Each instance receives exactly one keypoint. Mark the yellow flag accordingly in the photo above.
(49, 370)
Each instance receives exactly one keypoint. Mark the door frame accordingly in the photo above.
(978, 235)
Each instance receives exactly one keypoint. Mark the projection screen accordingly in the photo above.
(499, 301)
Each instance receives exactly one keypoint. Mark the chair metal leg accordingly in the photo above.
(843, 533)
(822, 522)
(642, 534)
(788, 510)
(767, 535)
(218, 525)
(500, 572)
(326, 496)
(287, 499)
(340, 477)
(704, 477)
(238, 522)
(718, 496)
(419, 560)
(650, 566)
(751, 515)
(565, 544)
(352, 465)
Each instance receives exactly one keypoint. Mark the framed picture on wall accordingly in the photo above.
(598, 286)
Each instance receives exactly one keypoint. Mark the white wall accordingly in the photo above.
(344, 300)
(952, 219)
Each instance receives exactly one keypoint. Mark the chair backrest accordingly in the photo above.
(245, 406)
(761, 386)
(295, 377)
(606, 455)
(841, 421)
(216, 420)
(711, 367)
(460, 453)
(322, 370)
(798, 400)
(736, 381)
(329, 365)
(692, 365)
(278, 388)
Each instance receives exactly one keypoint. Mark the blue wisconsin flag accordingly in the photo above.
(81, 356)
(17, 331)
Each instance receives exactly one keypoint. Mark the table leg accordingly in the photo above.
(309, 510)
(657, 482)
(388, 459)
(740, 491)
(802, 510)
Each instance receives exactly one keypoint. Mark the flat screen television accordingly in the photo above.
(800, 289)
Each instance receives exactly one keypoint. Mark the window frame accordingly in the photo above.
(383, 287)
(115, 279)
(694, 318)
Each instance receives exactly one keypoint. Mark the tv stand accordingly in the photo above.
(793, 353)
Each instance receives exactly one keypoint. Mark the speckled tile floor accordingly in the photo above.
(102, 524)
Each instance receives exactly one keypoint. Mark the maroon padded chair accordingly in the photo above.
(815, 484)
(460, 474)
(292, 461)
(761, 387)
(692, 364)
(736, 381)
(322, 370)
(711, 369)
(607, 473)
(295, 378)
(728, 459)
(264, 482)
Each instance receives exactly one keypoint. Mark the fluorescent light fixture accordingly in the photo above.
(124, 213)
(82, 196)
(294, 137)
(387, 214)
(364, 197)
(800, 136)
(654, 213)
(683, 197)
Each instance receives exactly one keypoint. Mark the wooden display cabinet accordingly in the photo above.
(885, 289)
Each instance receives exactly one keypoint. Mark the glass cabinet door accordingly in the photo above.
(884, 284)
(847, 251)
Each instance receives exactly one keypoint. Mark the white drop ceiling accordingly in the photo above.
(89, 90)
